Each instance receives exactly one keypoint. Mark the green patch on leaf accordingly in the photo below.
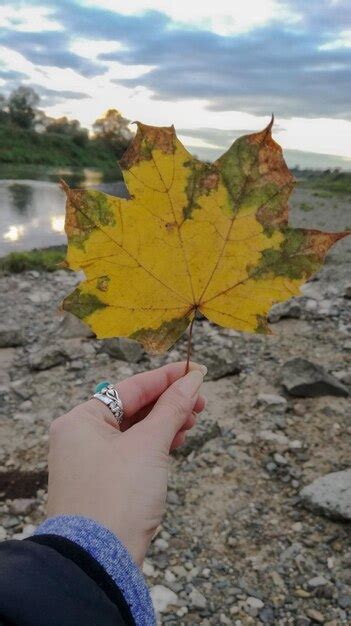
(156, 340)
(92, 210)
(82, 304)
(290, 260)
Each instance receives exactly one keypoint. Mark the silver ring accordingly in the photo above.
(110, 396)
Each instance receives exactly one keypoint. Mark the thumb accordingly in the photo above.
(174, 406)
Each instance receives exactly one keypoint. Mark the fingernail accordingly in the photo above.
(202, 368)
(190, 384)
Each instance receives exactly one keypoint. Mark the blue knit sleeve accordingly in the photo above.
(112, 555)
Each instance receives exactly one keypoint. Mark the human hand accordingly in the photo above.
(118, 476)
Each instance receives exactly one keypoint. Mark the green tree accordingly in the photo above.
(113, 129)
(22, 106)
(71, 128)
(4, 116)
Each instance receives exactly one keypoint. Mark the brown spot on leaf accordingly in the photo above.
(102, 283)
(73, 224)
(269, 217)
(170, 226)
(271, 164)
(209, 181)
(318, 243)
(147, 139)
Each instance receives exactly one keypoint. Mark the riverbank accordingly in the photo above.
(19, 146)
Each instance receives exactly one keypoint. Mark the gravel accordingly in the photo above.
(242, 542)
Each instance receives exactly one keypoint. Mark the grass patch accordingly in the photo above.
(305, 206)
(325, 183)
(44, 259)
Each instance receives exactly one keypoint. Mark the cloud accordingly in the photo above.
(267, 70)
(295, 67)
(53, 96)
(228, 18)
(49, 49)
(11, 75)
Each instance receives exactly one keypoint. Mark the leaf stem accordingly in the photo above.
(189, 343)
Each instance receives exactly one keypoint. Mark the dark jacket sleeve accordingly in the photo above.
(50, 581)
(72, 572)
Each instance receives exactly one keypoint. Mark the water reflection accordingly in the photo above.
(14, 233)
(21, 196)
(58, 223)
(32, 211)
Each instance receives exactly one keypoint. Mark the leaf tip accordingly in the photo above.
(63, 264)
(64, 186)
(268, 128)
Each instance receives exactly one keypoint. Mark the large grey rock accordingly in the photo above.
(303, 378)
(11, 335)
(123, 349)
(48, 357)
(289, 309)
(220, 362)
(71, 327)
(330, 495)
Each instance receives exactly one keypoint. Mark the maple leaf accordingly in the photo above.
(193, 236)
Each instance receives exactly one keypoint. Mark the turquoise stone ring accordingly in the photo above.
(101, 386)
(106, 393)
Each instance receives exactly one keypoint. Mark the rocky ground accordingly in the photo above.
(243, 542)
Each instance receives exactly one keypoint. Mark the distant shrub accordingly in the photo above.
(45, 259)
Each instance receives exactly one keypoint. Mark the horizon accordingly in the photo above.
(166, 63)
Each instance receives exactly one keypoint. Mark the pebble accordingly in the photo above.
(317, 581)
(123, 349)
(330, 495)
(162, 597)
(21, 506)
(197, 599)
(173, 498)
(279, 459)
(11, 335)
(161, 544)
(271, 399)
(169, 576)
(182, 611)
(227, 514)
(267, 615)
(315, 615)
(345, 601)
(27, 531)
(255, 603)
(46, 358)
(148, 569)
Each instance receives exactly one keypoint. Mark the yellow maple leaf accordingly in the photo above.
(193, 236)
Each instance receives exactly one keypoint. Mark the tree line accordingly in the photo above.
(21, 109)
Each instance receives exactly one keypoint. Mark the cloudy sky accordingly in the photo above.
(214, 69)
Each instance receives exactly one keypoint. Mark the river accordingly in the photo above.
(32, 205)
